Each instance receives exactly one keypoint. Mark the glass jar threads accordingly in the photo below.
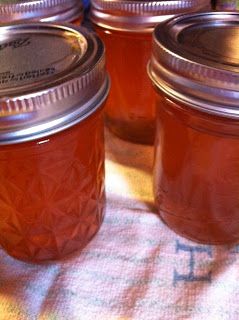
(126, 27)
(43, 10)
(52, 139)
(196, 169)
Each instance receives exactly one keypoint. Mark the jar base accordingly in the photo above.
(55, 257)
(136, 132)
(177, 225)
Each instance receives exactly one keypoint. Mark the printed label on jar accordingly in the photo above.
(14, 44)
(8, 77)
(27, 59)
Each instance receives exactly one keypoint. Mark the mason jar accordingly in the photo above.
(126, 29)
(41, 10)
(52, 195)
(195, 71)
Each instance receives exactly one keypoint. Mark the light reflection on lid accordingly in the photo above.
(44, 10)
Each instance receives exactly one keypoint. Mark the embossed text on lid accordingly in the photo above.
(44, 10)
(195, 59)
(51, 77)
(134, 15)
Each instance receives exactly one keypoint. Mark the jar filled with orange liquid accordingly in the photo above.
(52, 139)
(41, 10)
(195, 70)
(126, 29)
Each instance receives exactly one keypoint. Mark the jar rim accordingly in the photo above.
(43, 10)
(140, 15)
(188, 64)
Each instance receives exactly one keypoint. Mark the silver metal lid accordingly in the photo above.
(43, 10)
(51, 77)
(138, 15)
(195, 60)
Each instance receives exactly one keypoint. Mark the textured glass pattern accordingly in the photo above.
(52, 192)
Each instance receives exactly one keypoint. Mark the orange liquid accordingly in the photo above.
(52, 192)
(130, 109)
(196, 173)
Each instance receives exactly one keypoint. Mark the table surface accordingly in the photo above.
(135, 268)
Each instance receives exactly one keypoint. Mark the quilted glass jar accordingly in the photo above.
(41, 10)
(196, 169)
(126, 29)
(52, 139)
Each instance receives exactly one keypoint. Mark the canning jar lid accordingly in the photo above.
(140, 15)
(43, 10)
(52, 76)
(195, 60)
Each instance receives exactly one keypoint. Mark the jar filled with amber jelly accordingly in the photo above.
(195, 70)
(41, 10)
(51, 139)
(126, 29)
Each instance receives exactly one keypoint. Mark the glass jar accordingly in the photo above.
(126, 29)
(43, 10)
(52, 139)
(196, 77)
